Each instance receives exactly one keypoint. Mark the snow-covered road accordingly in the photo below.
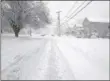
(16, 51)
(48, 58)
(43, 62)
(48, 65)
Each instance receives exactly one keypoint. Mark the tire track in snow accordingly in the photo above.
(39, 70)
(13, 71)
(52, 68)
(67, 73)
(48, 64)
(57, 67)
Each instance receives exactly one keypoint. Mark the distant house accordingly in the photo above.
(78, 30)
(92, 28)
(99, 27)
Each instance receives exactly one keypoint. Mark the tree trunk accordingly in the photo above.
(16, 31)
(1, 31)
(15, 27)
(30, 32)
(16, 34)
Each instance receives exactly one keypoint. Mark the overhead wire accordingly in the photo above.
(70, 9)
(75, 9)
(78, 12)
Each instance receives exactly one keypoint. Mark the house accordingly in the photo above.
(78, 30)
(90, 28)
(93, 26)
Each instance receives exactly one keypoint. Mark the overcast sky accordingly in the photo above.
(96, 10)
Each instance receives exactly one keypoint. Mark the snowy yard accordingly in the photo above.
(54, 58)
(89, 58)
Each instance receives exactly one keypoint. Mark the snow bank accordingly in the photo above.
(89, 58)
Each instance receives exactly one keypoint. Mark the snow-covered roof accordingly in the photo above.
(98, 20)
(104, 20)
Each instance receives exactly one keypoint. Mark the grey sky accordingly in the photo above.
(97, 10)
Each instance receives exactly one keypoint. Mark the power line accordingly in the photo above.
(79, 11)
(71, 9)
(76, 10)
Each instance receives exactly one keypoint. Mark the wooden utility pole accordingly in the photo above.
(30, 32)
(59, 32)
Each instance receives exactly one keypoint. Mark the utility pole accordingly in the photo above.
(1, 16)
(59, 32)
(30, 32)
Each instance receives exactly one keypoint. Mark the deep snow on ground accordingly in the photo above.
(54, 58)
(48, 65)
(89, 58)
(14, 50)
